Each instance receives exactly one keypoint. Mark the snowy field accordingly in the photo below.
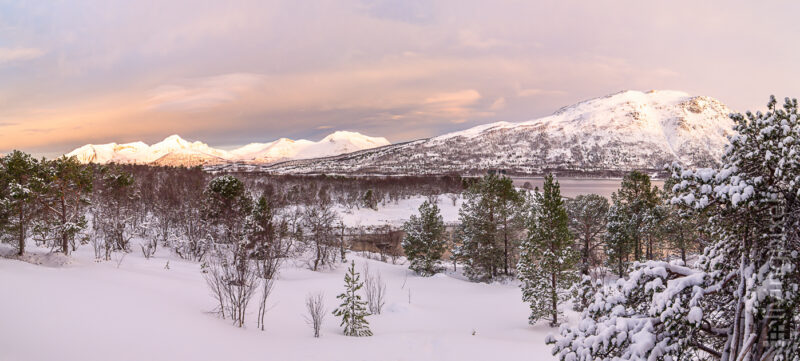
(83, 310)
(395, 214)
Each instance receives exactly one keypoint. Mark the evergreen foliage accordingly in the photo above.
(67, 185)
(424, 242)
(630, 222)
(547, 258)
(353, 310)
(489, 230)
(587, 223)
(22, 184)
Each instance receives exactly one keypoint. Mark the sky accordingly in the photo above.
(234, 72)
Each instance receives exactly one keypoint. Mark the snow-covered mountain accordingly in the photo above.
(174, 150)
(339, 142)
(612, 134)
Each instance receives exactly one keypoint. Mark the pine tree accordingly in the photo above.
(587, 223)
(22, 184)
(67, 184)
(681, 227)
(226, 207)
(547, 259)
(489, 228)
(353, 310)
(631, 220)
(424, 242)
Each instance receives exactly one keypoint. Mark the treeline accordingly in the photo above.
(62, 204)
(557, 247)
(240, 227)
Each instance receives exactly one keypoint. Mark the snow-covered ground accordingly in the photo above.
(83, 310)
(395, 214)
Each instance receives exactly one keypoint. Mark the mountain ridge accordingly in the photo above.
(614, 133)
(611, 134)
(174, 150)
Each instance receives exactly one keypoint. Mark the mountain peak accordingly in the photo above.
(174, 138)
(355, 138)
(175, 150)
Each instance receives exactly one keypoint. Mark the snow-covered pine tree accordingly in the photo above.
(22, 184)
(424, 242)
(681, 227)
(489, 228)
(353, 310)
(547, 260)
(67, 184)
(741, 300)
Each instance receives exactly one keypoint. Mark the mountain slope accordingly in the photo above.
(616, 133)
(175, 151)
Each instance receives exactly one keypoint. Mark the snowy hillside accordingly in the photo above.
(620, 132)
(174, 150)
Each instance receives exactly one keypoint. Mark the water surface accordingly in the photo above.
(571, 187)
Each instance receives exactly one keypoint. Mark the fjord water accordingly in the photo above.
(571, 187)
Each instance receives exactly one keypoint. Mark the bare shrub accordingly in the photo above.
(320, 234)
(316, 311)
(233, 281)
(149, 248)
(374, 290)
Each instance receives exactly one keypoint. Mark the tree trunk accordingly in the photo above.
(505, 248)
(683, 254)
(319, 256)
(64, 238)
(585, 255)
(21, 250)
(554, 298)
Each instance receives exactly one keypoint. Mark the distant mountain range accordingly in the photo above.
(607, 135)
(603, 136)
(176, 151)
